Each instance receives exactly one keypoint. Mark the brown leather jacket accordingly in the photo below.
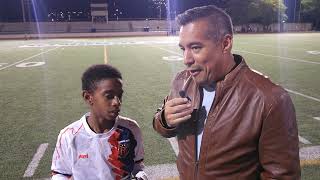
(250, 132)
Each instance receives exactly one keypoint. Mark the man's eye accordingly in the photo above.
(195, 48)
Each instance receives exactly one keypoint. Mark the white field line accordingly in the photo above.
(303, 140)
(162, 171)
(303, 95)
(35, 160)
(275, 47)
(170, 51)
(310, 153)
(316, 118)
(5, 67)
(174, 144)
(281, 57)
(291, 59)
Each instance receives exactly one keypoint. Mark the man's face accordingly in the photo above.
(106, 99)
(202, 55)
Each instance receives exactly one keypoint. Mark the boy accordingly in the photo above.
(102, 144)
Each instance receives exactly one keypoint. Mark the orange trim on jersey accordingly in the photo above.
(59, 144)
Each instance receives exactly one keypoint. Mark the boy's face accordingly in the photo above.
(105, 100)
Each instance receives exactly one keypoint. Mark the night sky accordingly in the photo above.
(10, 10)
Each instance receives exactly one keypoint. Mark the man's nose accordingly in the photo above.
(188, 59)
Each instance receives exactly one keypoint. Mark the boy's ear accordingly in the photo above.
(87, 97)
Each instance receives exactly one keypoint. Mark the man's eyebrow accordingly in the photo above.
(194, 43)
(190, 44)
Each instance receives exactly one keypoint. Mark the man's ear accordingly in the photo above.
(87, 97)
(227, 43)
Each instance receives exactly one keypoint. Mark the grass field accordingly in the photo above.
(38, 101)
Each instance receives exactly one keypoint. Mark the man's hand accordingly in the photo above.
(177, 110)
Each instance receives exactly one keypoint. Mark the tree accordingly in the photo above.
(310, 12)
(265, 12)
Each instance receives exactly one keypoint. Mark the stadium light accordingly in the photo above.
(159, 3)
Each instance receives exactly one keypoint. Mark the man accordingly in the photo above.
(102, 144)
(230, 122)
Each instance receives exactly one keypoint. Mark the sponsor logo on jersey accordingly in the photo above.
(83, 156)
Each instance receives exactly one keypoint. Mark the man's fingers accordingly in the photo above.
(180, 120)
(178, 108)
(176, 102)
(182, 114)
(175, 119)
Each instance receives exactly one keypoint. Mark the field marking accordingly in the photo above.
(170, 51)
(35, 160)
(105, 54)
(291, 59)
(5, 67)
(162, 171)
(309, 162)
(303, 95)
(316, 118)
(304, 140)
(174, 144)
(281, 57)
(172, 58)
(309, 153)
(314, 52)
(275, 47)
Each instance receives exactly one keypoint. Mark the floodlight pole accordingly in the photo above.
(24, 18)
(23, 11)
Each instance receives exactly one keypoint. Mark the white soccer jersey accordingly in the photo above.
(84, 154)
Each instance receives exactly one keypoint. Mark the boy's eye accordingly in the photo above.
(109, 96)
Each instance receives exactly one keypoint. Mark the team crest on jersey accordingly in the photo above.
(122, 155)
(124, 148)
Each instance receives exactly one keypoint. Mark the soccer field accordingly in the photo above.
(40, 91)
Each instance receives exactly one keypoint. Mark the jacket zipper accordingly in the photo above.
(196, 169)
(196, 147)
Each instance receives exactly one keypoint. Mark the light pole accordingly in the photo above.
(23, 11)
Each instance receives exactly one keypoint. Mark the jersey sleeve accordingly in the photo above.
(61, 160)
(139, 150)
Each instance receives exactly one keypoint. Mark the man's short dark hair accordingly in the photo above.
(96, 73)
(219, 21)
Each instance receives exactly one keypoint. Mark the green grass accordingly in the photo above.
(37, 102)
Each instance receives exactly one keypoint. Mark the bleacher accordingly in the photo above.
(84, 27)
